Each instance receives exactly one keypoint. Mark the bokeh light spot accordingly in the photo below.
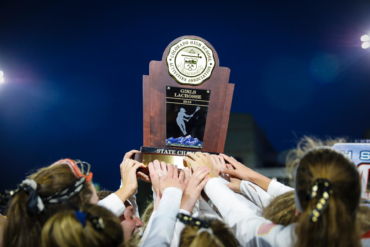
(2, 80)
(324, 68)
(365, 45)
(365, 38)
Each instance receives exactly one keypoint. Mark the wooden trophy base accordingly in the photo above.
(167, 155)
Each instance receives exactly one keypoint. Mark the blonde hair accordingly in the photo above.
(64, 229)
(336, 225)
(147, 213)
(281, 210)
(23, 229)
(221, 237)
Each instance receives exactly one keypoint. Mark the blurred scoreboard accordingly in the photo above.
(359, 153)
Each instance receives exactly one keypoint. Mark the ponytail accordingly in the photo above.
(335, 227)
(20, 221)
(327, 195)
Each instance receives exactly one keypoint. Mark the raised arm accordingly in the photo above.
(242, 172)
(161, 231)
(129, 185)
(250, 229)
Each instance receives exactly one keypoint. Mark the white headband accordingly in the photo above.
(32, 183)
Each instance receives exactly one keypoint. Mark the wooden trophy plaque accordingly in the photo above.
(186, 101)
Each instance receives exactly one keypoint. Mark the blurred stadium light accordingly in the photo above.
(365, 39)
(365, 45)
(1, 77)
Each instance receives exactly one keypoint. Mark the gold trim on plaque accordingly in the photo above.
(187, 99)
(186, 104)
(169, 159)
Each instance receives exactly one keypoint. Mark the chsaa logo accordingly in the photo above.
(190, 61)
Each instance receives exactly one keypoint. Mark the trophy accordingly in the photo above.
(186, 103)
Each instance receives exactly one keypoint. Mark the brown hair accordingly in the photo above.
(281, 210)
(221, 237)
(336, 225)
(64, 229)
(305, 144)
(363, 218)
(23, 229)
(103, 194)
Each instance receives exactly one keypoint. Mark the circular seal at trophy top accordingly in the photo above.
(190, 61)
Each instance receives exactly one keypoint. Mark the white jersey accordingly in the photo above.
(250, 229)
(260, 197)
(117, 206)
(160, 233)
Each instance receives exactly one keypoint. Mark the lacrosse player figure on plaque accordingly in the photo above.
(186, 103)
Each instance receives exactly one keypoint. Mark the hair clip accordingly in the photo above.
(189, 220)
(34, 203)
(323, 186)
(81, 217)
(97, 222)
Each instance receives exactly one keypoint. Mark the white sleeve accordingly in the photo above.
(250, 229)
(179, 226)
(241, 197)
(161, 231)
(114, 204)
(154, 196)
(276, 189)
(255, 193)
(204, 208)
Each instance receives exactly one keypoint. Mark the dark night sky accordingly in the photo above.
(74, 71)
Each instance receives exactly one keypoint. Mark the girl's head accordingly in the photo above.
(282, 209)
(327, 187)
(92, 226)
(60, 180)
(303, 146)
(209, 232)
(129, 221)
